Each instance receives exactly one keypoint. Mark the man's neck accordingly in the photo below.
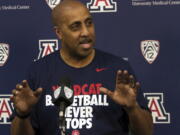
(77, 62)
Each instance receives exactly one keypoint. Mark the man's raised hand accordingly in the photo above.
(125, 92)
(24, 98)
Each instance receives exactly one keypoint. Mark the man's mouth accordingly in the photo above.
(86, 43)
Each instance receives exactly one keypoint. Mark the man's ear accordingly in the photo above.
(58, 32)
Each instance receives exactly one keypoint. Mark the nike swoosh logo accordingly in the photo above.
(100, 69)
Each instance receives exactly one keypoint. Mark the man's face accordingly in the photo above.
(77, 32)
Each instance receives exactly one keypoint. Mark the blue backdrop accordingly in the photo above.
(145, 32)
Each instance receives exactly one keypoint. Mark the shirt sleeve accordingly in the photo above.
(32, 78)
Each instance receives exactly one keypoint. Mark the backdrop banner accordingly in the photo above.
(144, 32)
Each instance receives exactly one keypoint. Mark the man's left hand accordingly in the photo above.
(125, 91)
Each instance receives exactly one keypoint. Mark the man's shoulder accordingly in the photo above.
(105, 59)
(45, 61)
(108, 57)
(48, 58)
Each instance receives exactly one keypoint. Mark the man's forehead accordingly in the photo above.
(68, 11)
(82, 19)
(76, 15)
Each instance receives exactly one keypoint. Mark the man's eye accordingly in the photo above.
(75, 26)
(89, 23)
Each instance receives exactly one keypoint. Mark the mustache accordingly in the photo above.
(85, 40)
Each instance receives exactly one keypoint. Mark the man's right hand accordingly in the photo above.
(24, 98)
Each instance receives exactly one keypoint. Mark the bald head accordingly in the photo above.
(73, 25)
(60, 11)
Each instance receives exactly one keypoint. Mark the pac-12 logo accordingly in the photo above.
(52, 3)
(46, 47)
(4, 53)
(156, 105)
(150, 50)
(6, 108)
(102, 6)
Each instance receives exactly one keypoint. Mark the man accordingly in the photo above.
(91, 71)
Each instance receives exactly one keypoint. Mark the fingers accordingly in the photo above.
(25, 84)
(118, 76)
(132, 81)
(106, 91)
(19, 87)
(133, 84)
(125, 77)
(18, 90)
(14, 92)
(13, 98)
(38, 92)
(122, 77)
(137, 87)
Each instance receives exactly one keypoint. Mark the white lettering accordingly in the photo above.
(89, 111)
(78, 123)
(75, 101)
(68, 123)
(89, 123)
(86, 100)
(49, 100)
(83, 112)
(82, 122)
(80, 99)
(69, 112)
(74, 123)
(94, 100)
(105, 101)
(76, 111)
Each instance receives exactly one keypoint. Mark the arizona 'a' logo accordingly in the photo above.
(6, 108)
(102, 6)
(150, 50)
(46, 47)
(52, 3)
(4, 53)
(159, 114)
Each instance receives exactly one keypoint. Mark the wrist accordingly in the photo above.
(132, 108)
(22, 116)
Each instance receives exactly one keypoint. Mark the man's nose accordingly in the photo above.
(84, 31)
